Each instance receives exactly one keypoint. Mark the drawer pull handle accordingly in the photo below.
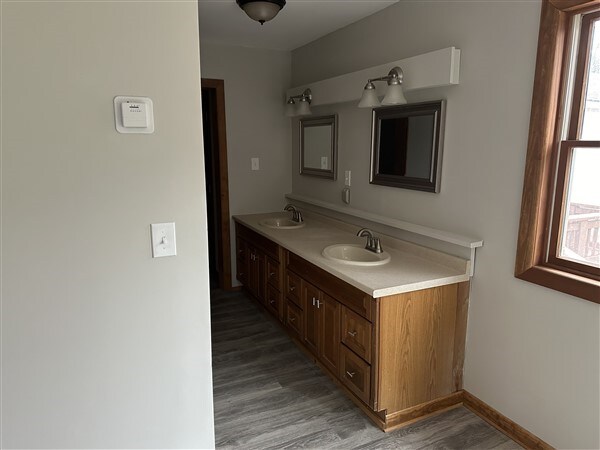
(292, 288)
(272, 302)
(271, 274)
(352, 333)
(292, 319)
(350, 374)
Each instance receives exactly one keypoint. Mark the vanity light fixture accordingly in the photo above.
(261, 11)
(393, 95)
(303, 107)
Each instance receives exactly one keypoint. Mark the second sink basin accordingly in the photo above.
(355, 255)
(281, 223)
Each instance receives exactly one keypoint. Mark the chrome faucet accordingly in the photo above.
(373, 243)
(296, 215)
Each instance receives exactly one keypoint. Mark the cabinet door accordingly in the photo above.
(242, 258)
(311, 298)
(329, 332)
(261, 262)
(252, 284)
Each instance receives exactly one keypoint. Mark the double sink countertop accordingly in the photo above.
(411, 268)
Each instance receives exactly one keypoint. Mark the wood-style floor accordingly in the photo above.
(268, 395)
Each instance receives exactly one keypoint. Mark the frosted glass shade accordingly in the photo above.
(369, 99)
(303, 108)
(261, 11)
(394, 95)
(290, 109)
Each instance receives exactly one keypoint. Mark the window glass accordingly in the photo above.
(581, 221)
(590, 129)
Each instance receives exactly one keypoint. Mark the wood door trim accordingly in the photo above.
(225, 269)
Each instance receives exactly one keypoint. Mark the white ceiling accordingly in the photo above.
(298, 23)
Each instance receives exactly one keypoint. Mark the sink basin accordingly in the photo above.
(281, 223)
(355, 255)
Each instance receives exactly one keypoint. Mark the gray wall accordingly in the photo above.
(102, 346)
(532, 353)
(255, 85)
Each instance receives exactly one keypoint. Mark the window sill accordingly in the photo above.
(562, 281)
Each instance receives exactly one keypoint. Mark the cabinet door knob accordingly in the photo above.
(272, 302)
(292, 319)
(352, 333)
(350, 374)
(292, 288)
(271, 274)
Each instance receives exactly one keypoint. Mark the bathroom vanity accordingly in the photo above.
(392, 336)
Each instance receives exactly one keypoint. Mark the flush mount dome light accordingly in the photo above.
(261, 11)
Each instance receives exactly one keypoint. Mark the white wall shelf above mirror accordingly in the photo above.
(469, 244)
(428, 70)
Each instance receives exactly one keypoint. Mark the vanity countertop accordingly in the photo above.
(411, 268)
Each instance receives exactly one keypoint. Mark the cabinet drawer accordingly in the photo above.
(344, 293)
(292, 287)
(273, 272)
(356, 334)
(355, 374)
(294, 319)
(273, 300)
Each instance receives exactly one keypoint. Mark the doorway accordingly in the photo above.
(217, 184)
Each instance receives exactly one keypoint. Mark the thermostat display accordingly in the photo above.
(134, 114)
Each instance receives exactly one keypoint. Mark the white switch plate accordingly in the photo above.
(347, 177)
(255, 163)
(163, 239)
(324, 162)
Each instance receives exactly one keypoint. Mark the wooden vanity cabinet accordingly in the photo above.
(398, 357)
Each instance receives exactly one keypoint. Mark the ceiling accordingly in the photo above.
(298, 23)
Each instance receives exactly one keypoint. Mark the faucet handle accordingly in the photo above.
(299, 217)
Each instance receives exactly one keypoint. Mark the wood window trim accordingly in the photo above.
(546, 115)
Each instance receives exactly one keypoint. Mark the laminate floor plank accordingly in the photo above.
(269, 395)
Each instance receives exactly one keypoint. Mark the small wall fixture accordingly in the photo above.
(303, 106)
(261, 11)
(393, 95)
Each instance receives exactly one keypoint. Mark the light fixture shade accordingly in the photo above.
(394, 95)
(303, 108)
(261, 11)
(290, 109)
(369, 98)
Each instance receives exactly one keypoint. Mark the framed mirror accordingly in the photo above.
(318, 146)
(406, 147)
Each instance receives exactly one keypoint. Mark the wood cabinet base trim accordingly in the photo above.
(502, 423)
(407, 416)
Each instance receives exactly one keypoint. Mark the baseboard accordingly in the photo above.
(408, 416)
(499, 421)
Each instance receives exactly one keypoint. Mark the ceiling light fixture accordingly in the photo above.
(261, 11)
(303, 107)
(393, 95)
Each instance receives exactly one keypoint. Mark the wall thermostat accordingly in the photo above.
(134, 114)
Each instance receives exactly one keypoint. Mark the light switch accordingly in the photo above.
(324, 162)
(163, 239)
(255, 163)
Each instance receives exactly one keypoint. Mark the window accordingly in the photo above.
(559, 236)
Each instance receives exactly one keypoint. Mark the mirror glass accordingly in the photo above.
(406, 146)
(318, 146)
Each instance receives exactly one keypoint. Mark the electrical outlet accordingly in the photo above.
(255, 163)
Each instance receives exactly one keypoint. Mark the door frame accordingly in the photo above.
(221, 152)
